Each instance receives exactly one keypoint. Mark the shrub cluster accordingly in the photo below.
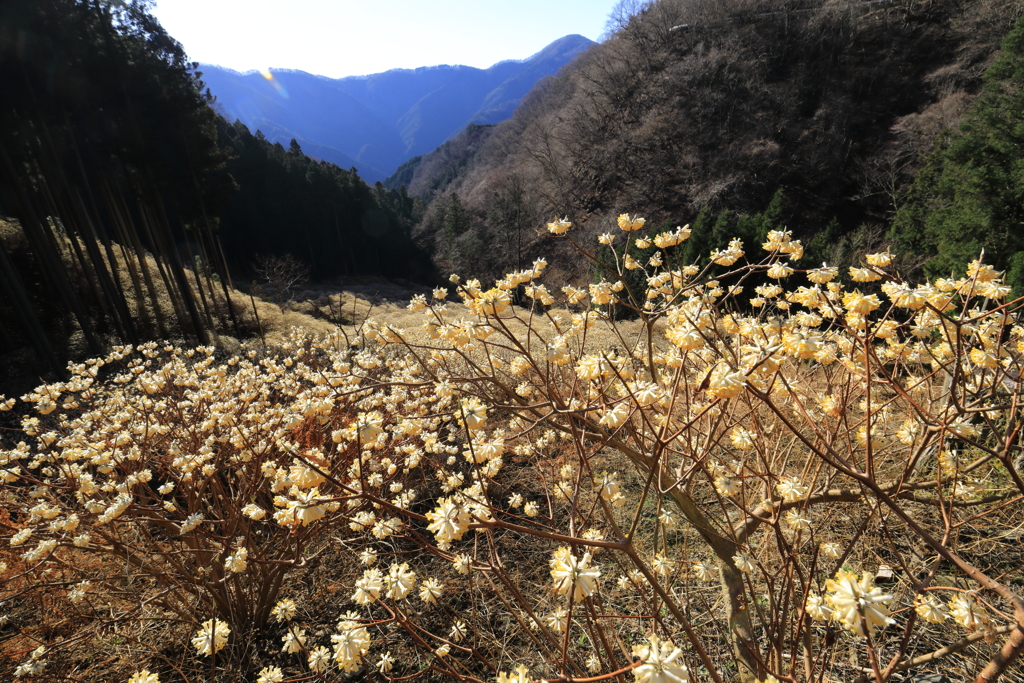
(546, 493)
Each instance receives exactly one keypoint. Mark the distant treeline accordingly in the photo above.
(320, 213)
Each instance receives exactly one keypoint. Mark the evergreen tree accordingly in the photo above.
(508, 217)
(772, 218)
(722, 231)
(820, 248)
(969, 196)
(455, 222)
(696, 249)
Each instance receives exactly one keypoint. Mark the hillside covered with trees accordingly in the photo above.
(288, 202)
(131, 202)
(712, 109)
(969, 196)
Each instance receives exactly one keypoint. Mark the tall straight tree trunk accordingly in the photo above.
(45, 251)
(156, 244)
(109, 279)
(224, 261)
(67, 203)
(140, 254)
(196, 275)
(102, 232)
(205, 246)
(96, 224)
(11, 285)
(86, 266)
(120, 230)
(81, 239)
(201, 238)
(187, 298)
(225, 281)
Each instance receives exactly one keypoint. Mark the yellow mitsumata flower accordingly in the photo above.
(798, 520)
(303, 510)
(615, 417)
(726, 383)
(931, 609)
(662, 662)
(880, 260)
(861, 304)
(351, 643)
(969, 613)
(212, 637)
(319, 659)
(703, 572)
(284, 610)
(294, 641)
(822, 275)
(519, 676)
(576, 574)
(493, 302)
(430, 590)
(744, 562)
(368, 587)
(559, 226)
(831, 549)
(400, 580)
(858, 602)
(817, 608)
(475, 413)
(863, 274)
(449, 520)
(791, 489)
(630, 223)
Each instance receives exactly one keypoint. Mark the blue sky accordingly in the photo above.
(344, 38)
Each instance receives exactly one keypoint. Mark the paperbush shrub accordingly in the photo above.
(543, 493)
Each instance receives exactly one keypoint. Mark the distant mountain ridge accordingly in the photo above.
(377, 122)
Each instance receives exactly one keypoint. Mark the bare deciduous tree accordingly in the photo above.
(620, 15)
(283, 273)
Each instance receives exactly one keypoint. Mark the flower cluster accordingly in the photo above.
(574, 574)
(858, 604)
(751, 401)
(662, 662)
(212, 637)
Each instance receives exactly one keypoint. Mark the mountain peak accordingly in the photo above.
(381, 120)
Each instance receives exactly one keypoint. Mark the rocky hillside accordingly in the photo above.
(698, 105)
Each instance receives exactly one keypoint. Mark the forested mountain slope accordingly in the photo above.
(133, 205)
(376, 122)
(322, 214)
(718, 106)
(969, 196)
